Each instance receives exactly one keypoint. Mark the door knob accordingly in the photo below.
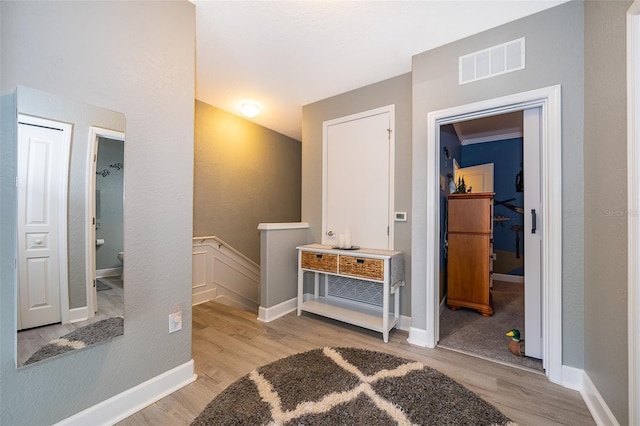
(330, 233)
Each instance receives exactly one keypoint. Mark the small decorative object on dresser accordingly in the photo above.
(470, 251)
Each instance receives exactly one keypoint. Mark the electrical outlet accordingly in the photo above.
(175, 321)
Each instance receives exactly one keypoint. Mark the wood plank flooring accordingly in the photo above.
(229, 343)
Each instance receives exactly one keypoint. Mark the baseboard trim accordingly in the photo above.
(275, 312)
(132, 400)
(508, 278)
(404, 323)
(203, 296)
(572, 378)
(417, 336)
(595, 403)
(79, 314)
(108, 272)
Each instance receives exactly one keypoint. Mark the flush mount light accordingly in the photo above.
(250, 109)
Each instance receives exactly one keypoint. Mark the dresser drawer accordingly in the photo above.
(362, 267)
(319, 261)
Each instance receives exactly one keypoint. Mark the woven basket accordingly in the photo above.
(319, 261)
(362, 267)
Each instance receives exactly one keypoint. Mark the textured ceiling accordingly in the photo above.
(285, 54)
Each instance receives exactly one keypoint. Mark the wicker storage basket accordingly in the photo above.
(362, 267)
(319, 261)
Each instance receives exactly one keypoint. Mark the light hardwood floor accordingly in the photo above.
(229, 343)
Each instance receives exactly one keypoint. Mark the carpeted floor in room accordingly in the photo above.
(467, 331)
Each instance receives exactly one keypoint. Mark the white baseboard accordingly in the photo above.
(108, 272)
(203, 296)
(596, 404)
(417, 336)
(508, 278)
(275, 312)
(572, 378)
(404, 323)
(78, 314)
(132, 400)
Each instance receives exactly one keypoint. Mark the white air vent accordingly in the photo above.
(496, 60)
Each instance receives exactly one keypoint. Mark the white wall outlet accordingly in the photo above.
(175, 321)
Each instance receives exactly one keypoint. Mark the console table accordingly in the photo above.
(359, 287)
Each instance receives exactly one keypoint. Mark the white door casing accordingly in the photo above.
(477, 178)
(633, 200)
(358, 171)
(549, 101)
(43, 170)
(90, 213)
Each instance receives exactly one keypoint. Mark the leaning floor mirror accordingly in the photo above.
(70, 169)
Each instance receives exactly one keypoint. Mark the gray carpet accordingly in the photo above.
(347, 386)
(467, 331)
(101, 286)
(91, 334)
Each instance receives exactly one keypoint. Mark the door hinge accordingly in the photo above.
(389, 133)
(94, 220)
(387, 231)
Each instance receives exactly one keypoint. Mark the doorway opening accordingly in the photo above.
(547, 101)
(487, 156)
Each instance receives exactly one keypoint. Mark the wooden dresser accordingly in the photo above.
(470, 252)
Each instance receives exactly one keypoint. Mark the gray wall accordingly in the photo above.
(244, 174)
(554, 46)
(605, 210)
(396, 91)
(279, 264)
(137, 58)
(82, 116)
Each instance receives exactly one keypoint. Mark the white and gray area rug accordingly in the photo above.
(99, 331)
(348, 386)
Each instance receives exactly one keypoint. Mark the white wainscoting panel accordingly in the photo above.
(225, 275)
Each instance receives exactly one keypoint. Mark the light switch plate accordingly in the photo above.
(401, 216)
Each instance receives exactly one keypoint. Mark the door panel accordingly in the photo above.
(43, 155)
(532, 241)
(357, 180)
(479, 178)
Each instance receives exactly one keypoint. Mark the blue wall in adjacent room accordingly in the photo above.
(507, 158)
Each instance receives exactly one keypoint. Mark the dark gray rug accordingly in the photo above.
(99, 331)
(101, 286)
(467, 331)
(347, 386)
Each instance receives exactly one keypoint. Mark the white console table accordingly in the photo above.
(359, 287)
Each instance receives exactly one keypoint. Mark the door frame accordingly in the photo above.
(549, 100)
(90, 212)
(633, 207)
(388, 109)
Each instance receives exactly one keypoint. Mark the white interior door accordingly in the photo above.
(479, 178)
(358, 179)
(43, 161)
(533, 229)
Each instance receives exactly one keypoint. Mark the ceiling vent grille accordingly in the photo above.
(496, 60)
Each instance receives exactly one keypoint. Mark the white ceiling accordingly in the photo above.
(285, 54)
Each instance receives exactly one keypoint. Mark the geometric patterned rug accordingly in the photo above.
(82, 337)
(347, 386)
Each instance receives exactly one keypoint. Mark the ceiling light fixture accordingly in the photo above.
(250, 109)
